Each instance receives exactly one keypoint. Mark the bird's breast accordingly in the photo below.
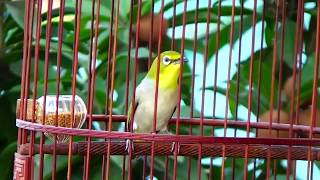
(144, 114)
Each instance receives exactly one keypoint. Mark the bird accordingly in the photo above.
(143, 109)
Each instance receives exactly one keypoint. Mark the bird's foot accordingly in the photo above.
(129, 145)
(165, 131)
(174, 146)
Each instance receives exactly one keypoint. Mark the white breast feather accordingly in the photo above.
(144, 114)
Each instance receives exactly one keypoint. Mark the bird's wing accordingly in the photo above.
(174, 110)
(131, 113)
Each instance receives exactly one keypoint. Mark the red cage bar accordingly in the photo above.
(246, 100)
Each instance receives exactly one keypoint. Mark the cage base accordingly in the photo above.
(21, 164)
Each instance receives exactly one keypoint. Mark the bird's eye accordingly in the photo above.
(166, 60)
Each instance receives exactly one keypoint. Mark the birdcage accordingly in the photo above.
(247, 98)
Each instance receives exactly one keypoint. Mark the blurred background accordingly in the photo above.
(274, 44)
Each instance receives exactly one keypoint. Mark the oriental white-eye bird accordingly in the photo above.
(143, 112)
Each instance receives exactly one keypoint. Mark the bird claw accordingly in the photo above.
(129, 143)
(174, 146)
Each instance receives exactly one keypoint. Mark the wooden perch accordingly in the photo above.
(211, 150)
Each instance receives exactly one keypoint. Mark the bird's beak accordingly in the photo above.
(178, 61)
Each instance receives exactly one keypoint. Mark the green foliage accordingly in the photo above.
(11, 53)
(266, 62)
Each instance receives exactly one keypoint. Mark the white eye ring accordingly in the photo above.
(166, 60)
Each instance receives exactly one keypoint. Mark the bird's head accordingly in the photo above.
(169, 69)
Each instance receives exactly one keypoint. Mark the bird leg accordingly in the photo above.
(174, 144)
(129, 145)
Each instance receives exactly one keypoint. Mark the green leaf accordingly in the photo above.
(170, 4)
(265, 90)
(183, 165)
(188, 44)
(87, 6)
(308, 69)
(243, 96)
(269, 32)
(6, 160)
(61, 168)
(186, 84)
(146, 7)
(16, 9)
(66, 52)
(100, 93)
(289, 42)
(86, 30)
(312, 12)
(225, 34)
(123, 35)
(190, 17)
(124, 9)
(227, 10)
(102, 39)
(307, 78)
(185, 112)
(233, 107)
(237, 168)
(266, 75)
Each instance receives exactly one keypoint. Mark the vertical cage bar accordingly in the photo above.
(151, 34)
(204, 85)
(157, 89)
(173, 24)
(89, 93)
(238, 80)
(150, 40)
(314, 91)
(283, 25)
(294, 115)
(23, 72)
(195, 46)
(134, 83)
(92, 82)
(23, 103)
(85, 158)
(28, 58)
(60, 38)
(172, 45)
(45, 89)
(35, 79)
(113, 67)
(106, 159)
(260, 61)
(274, 60)
(259, 76)
(128, 79)
(74, 78)
(254, 19)
(231, 35)
(27, 80)
(217, 45)
(300, 50)
(176, 148)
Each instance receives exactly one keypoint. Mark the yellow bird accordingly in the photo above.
(143, 112)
